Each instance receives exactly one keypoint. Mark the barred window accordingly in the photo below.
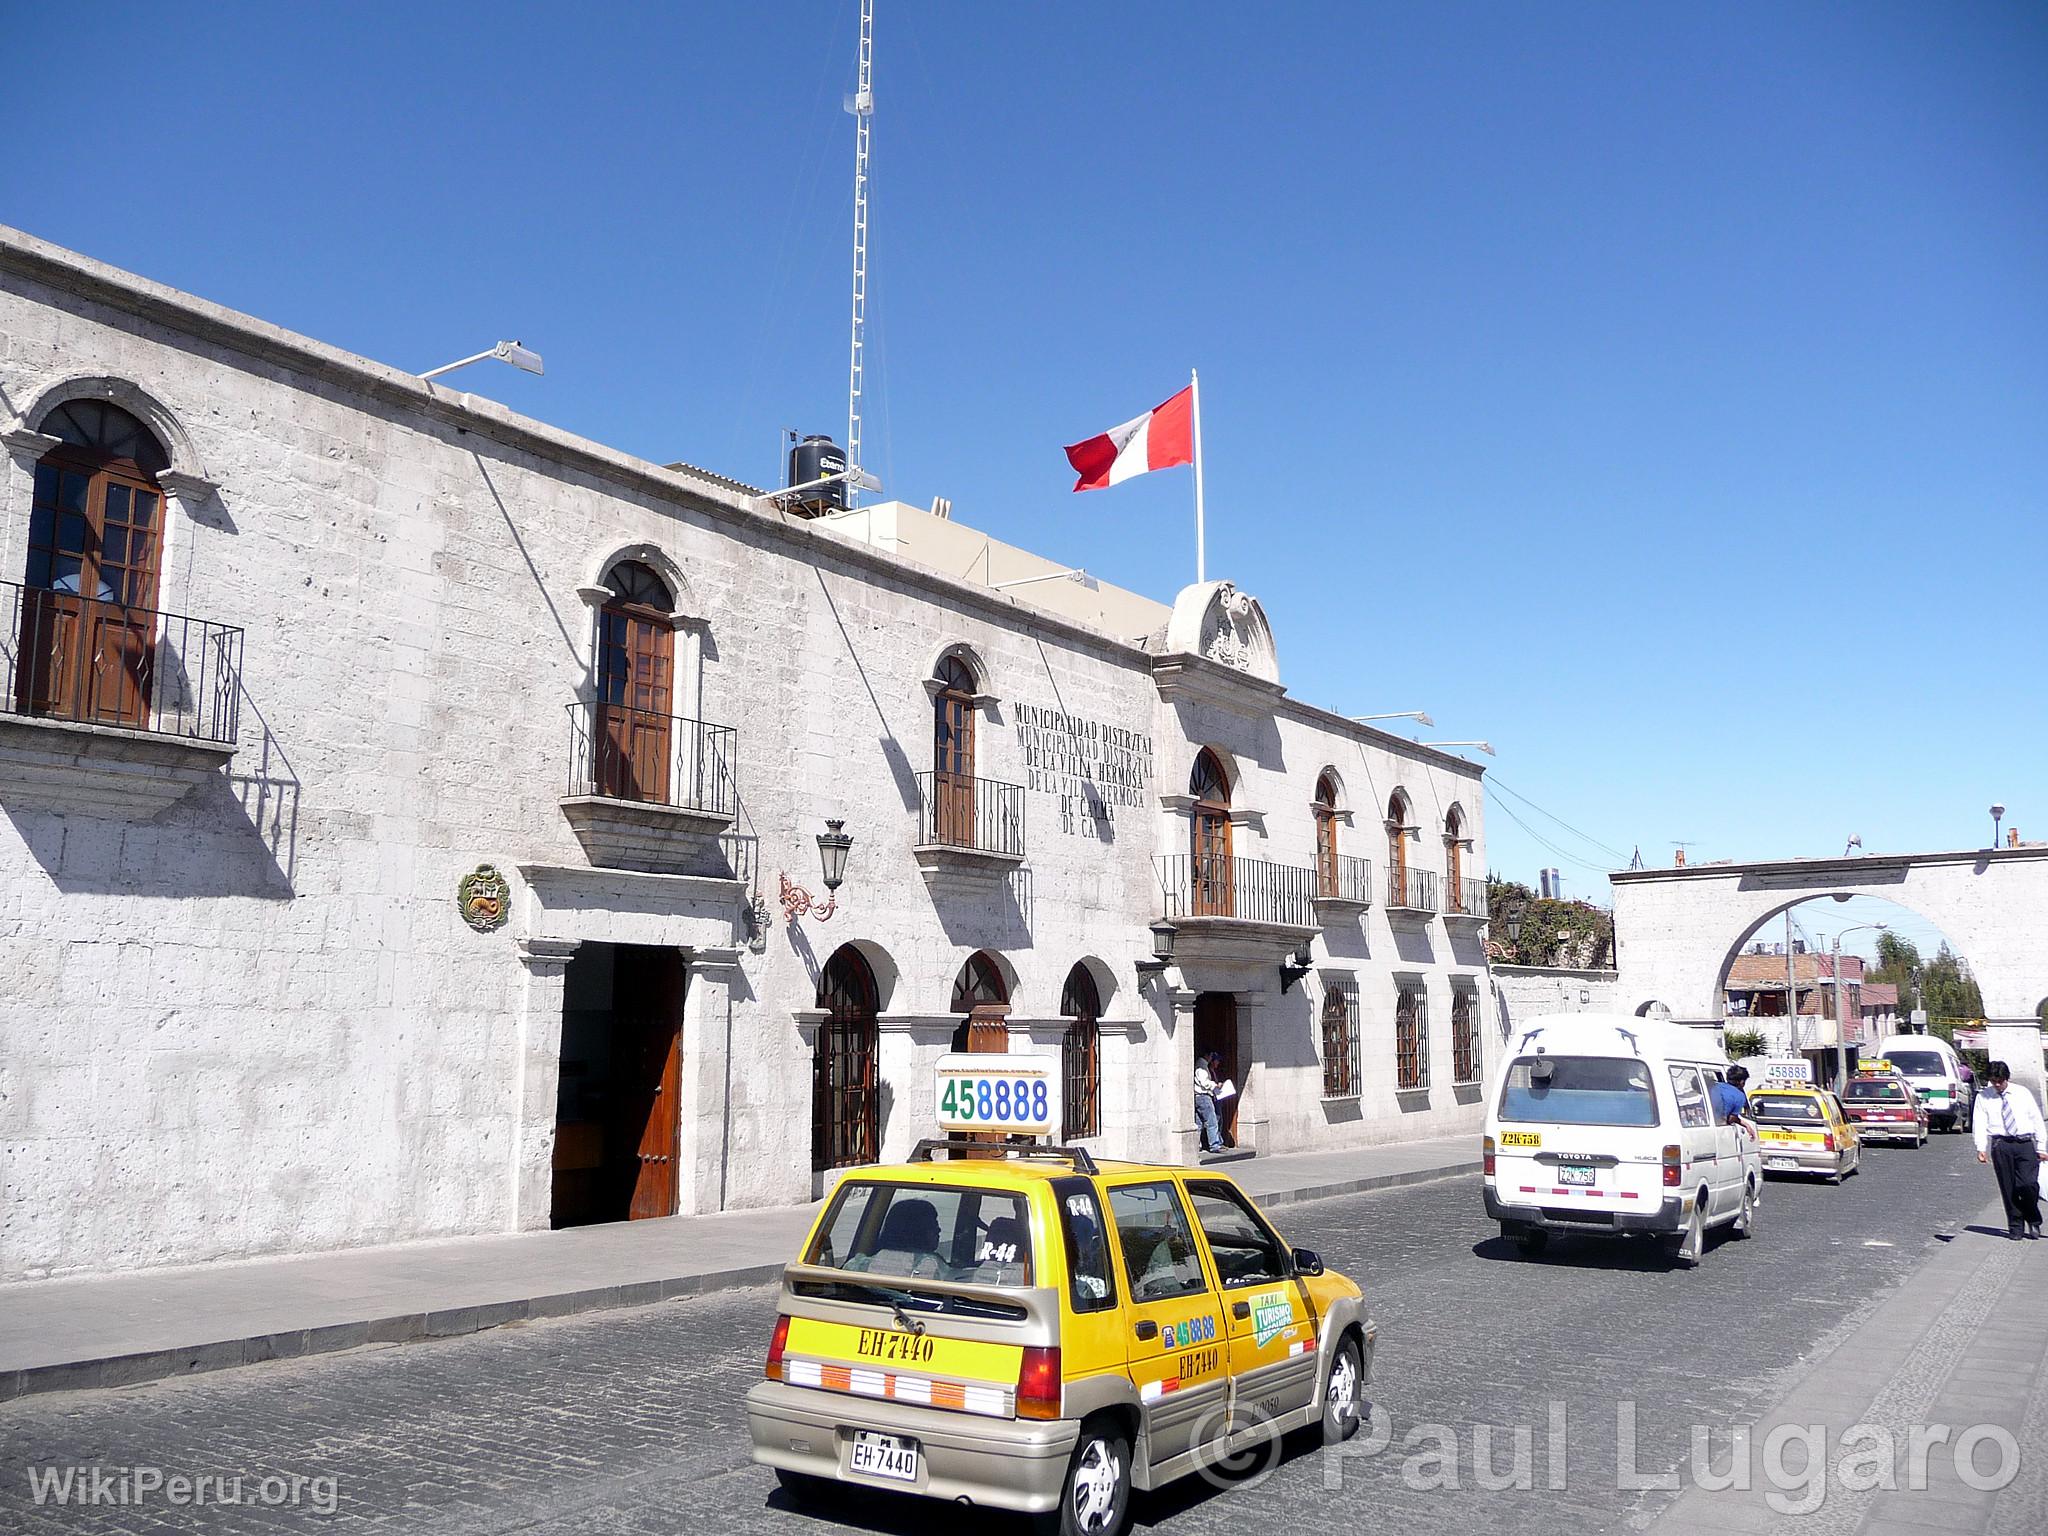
(1465, 1054)
(1411, 1038)
(1081, 1056)
(1341, 1066)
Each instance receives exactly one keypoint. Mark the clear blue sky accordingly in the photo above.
(1660, 392)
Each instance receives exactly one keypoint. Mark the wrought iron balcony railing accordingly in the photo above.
(1464, 898)
(1411, 890)
(619, 753)
(1350, 880)
(1219, 885)
(66, 657)
(956, 810)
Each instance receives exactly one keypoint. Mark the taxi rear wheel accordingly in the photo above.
(803, 1487)
(1096, 1500)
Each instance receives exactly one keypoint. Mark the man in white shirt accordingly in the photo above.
(1206, 1068)
(2011, 1137)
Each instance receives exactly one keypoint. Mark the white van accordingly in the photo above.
(1934, 1069)
(1604, 1123)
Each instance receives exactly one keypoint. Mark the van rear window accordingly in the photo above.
(1578, 1090)
(926, 1232)
(1919, 1063)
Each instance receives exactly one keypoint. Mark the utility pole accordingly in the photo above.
(1791, 988)
(862, 106)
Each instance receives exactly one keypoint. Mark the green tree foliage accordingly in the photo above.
(1744, 1042)
(1940, 985)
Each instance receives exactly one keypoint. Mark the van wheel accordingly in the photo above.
(1097, 1498)
(1745, 1224)
(1341, 1397)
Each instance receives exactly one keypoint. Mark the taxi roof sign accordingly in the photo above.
(1007, 1092)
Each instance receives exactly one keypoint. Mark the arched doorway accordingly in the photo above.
(1455, 843)
(635, 686)
(981, 996)
(1397, 850)
(846, 1120)
(1211, 875)
(1216, 1032)
(95, 536)
(1081, 1055)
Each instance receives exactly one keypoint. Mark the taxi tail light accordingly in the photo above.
(773, 1370)
(1486, 1155)
(1038, 1383)
(1827, 1139)
(1671, 1156)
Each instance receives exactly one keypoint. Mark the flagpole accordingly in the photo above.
(1201, 554)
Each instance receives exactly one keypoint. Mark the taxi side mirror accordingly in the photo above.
(1307, 1262)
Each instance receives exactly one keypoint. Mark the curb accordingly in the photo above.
(453, 1322)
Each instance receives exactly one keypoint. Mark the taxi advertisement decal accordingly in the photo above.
(1521, 1138)
(1271, 1312)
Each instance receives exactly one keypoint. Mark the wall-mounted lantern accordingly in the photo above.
(1162, 949)
(833, 844)
(1295, 966)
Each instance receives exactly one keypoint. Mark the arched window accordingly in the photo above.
(1340, 1043)
(982, 996)
(1397, 850)
(1454, 861)
(1081, 1056)
(95, 534)
(634, 727)
(953, 754)
(1464, 1036)
(1212, 884)
(846, 1116)
(1326, 837)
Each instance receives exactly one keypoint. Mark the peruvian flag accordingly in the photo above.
(1161, 438)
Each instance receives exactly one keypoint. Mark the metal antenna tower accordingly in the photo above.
(862, 105)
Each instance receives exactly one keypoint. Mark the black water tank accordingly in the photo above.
(813, 459)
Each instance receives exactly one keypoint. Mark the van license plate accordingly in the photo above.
(1575, 1173)
(883, 1456)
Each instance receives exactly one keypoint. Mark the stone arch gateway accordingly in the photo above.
(1676, 929)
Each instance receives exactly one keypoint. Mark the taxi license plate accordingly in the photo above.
(1781, 1162)
(887, 1456)
(1575, 1173)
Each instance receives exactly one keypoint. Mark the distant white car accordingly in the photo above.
(1930, 1064)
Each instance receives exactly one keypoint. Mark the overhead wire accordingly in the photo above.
(1606, 848)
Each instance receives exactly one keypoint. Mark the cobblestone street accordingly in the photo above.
(629, 1422)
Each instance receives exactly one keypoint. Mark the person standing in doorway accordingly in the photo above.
(1206, 1068)
(2011, 1138)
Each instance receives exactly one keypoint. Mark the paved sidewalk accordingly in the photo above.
(1963, 1344)
(112, 1330)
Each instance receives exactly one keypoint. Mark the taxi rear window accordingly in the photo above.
(1785, 1109)
(926, 1232)
(1875, 1093)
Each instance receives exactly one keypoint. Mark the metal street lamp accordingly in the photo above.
(1841, 992)
(505, 352)
(1484, 746)
(1407, 714)
(1997, 815)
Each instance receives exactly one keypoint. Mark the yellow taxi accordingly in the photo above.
(1802, 1128)
(1022, 1327)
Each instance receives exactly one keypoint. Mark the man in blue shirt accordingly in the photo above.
(1730, 1101)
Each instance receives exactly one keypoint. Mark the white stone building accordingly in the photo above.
(295, 642)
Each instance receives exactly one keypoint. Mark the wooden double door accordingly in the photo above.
(618, 1133)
